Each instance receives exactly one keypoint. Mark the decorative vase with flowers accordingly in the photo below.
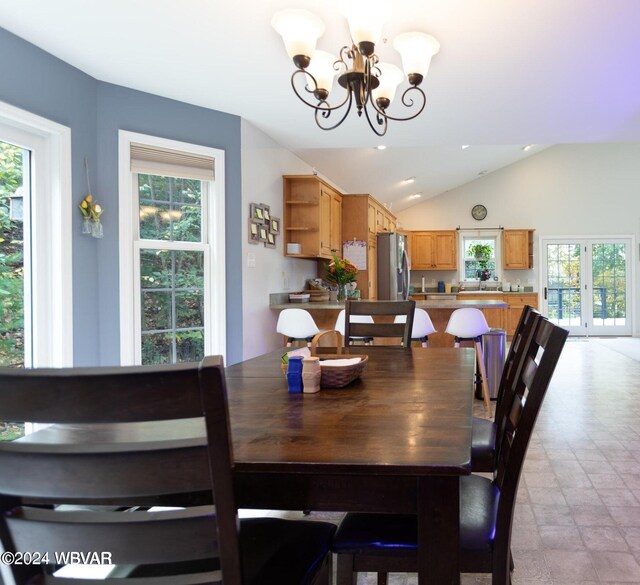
(341, 272)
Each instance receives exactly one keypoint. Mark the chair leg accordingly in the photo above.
(345, 574)
(483, 373)
(382, 578)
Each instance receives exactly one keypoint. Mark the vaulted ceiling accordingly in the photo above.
(509, 73)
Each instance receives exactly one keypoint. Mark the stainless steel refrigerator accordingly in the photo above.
(393, 267)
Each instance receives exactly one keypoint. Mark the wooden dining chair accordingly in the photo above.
(388, 543)
(70, 495)
(381, 327)
(484, 431)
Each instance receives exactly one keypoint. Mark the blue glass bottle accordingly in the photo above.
(294, 374)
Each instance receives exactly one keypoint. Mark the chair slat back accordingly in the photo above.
(541, 357)
(515, 360)
(380, 328)
(104, 464)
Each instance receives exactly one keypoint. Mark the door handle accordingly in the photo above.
(545, 293)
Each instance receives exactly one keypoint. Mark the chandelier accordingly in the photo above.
(368, 82)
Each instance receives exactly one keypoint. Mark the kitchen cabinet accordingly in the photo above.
(363, 218)
(516, 304)
(508, 318)
(517, 249)
(312, 217)
(495, 317)
(380, 218)
(434, 250)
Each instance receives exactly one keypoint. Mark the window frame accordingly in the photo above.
(48, 255)
(479, 235)
(212, 244)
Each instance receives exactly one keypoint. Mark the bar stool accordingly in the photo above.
(470, 325)
(354, 319)
(296, 325)
(422, 326)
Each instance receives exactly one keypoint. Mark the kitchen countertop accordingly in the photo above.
(475, 292)
(430, 304)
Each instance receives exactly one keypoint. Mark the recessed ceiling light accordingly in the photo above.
(483, 172)
(527, 147)
(409, 180)
(415, 196)
(465, 146)
(381, 147)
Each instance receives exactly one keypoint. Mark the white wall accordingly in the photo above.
(263, 164)
(581, 190)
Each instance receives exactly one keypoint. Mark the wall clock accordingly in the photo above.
(479, 212)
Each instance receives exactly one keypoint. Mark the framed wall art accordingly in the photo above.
(254, 235)
(271, 240)
(262, 227)
(266, 212)
(256, 213)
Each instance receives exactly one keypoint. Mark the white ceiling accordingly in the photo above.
(509, 73)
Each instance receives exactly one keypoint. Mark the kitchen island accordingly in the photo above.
(325, 314)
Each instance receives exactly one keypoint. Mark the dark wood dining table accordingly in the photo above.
(396, 440)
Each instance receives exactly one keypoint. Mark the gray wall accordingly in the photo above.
(120, 108)
(42, 84)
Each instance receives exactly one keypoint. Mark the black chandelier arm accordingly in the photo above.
(381, 120)
(406, 101)
(326, 112)
(326, 107)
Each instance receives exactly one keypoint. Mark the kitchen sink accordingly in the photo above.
(480, 292)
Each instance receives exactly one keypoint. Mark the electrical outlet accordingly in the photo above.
(251, 260)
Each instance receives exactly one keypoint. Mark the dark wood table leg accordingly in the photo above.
(439, 530)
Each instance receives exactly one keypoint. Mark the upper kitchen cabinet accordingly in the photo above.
(434, 250)
(517, 249)
(380, 219)
(312, 217)
(363, 219)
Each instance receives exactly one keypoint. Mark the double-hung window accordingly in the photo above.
(480, 252)
(177, 252)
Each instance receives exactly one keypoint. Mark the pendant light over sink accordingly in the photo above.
(368, 82)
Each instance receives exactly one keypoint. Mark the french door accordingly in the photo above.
(587, 284)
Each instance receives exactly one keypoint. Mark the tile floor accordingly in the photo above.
(577, 519)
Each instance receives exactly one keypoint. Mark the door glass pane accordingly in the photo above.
(609, 269)
(172, 284)
(13, 161)
(170, 208)
(563, 284)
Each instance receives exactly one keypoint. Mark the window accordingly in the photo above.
(174, 277)
(480, 256)
(42, 150)
(36, 320)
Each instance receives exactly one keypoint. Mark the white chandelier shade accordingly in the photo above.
(322, 69)
(366, 19)
(299, 29)
(416, 50)
(390, 78)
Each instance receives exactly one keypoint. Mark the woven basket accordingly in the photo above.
(337, 377)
